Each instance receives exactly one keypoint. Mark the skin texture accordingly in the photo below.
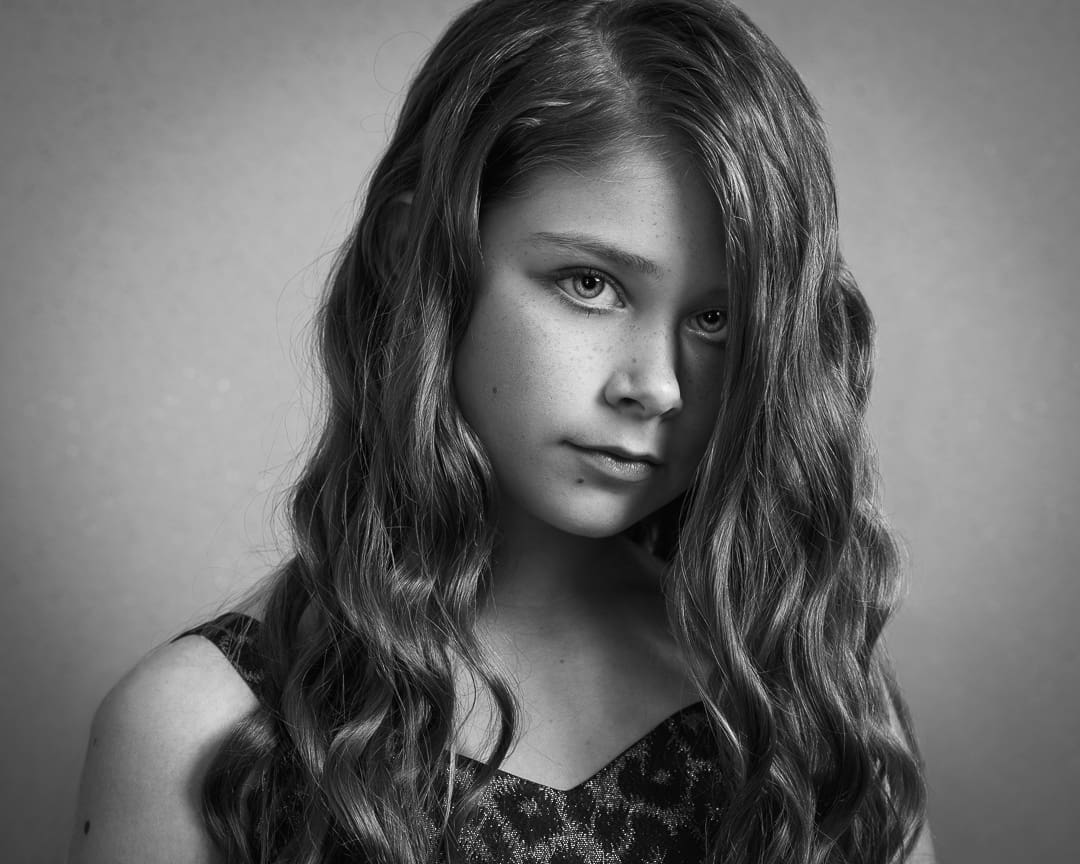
(616, 357)
(150, 743)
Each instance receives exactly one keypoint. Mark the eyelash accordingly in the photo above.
(582, 306)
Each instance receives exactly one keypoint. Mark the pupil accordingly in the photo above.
(713, 320)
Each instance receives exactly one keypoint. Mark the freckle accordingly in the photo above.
(494, 390)
(580, 480)
(86, 827)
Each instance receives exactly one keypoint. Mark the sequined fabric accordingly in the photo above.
(652, 804)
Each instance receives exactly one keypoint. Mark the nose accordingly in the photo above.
(645, 382)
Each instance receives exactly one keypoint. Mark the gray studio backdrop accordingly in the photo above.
(173, 178)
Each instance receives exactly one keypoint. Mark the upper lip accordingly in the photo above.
(623, 453)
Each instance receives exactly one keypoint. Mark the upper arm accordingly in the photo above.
(151, 741)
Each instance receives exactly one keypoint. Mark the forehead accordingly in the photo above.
(654, 207)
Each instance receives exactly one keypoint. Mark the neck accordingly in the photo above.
(542, 576)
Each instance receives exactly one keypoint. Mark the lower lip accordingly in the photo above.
(628, 470)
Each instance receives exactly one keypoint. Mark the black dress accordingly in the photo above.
(652, 803)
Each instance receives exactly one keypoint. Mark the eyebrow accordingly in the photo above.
(588, 243)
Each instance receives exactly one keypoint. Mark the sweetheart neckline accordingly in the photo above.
(634, 745)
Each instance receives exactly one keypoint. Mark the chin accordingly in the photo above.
(594, 521)
(596, 530)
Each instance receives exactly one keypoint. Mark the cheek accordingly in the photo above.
(481, 371)
(499, 374)
(705, 395)
(517, 365)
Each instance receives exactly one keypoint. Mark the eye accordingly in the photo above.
(587, 287)
(712, 323)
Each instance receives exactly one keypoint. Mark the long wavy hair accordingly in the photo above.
(781, 573)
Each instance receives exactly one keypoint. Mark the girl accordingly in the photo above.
(587, 566)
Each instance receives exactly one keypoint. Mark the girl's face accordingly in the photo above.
(591, 366)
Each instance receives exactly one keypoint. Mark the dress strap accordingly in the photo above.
(235, 635)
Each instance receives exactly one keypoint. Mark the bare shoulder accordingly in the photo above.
(151, 741)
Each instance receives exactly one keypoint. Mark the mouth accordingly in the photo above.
(626, 455)
(618, 462)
